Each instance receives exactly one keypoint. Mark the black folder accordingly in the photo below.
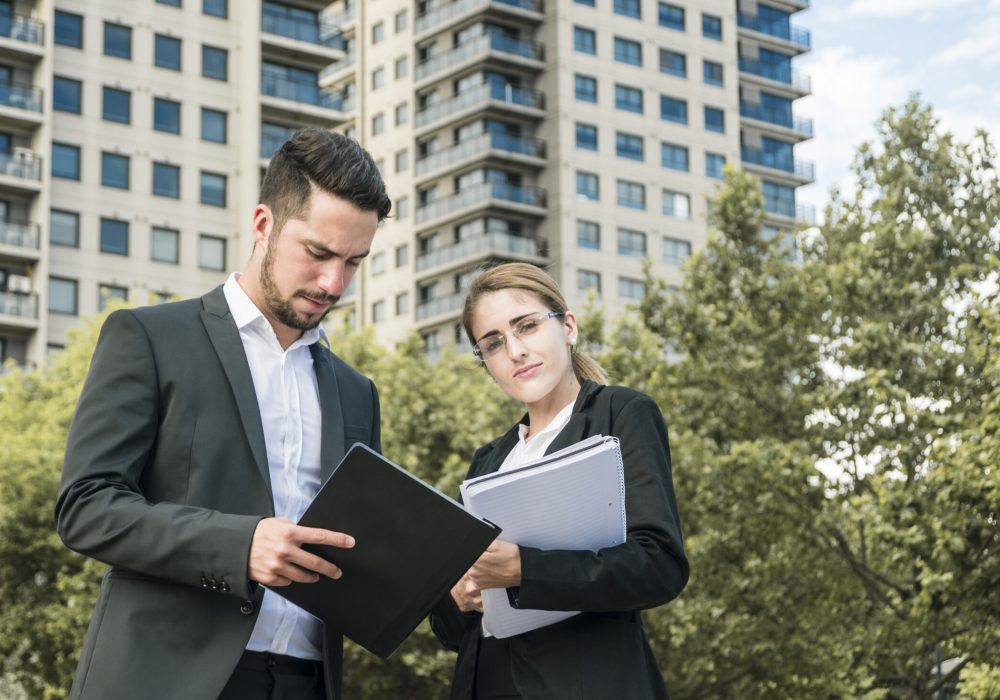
(413, 543)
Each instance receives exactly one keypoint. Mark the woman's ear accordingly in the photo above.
(569, 323)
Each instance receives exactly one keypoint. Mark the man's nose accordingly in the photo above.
(333, 279)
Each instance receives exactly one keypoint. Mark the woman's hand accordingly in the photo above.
(467, 595)
(498, 567)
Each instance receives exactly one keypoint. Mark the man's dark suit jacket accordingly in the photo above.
(165, 479)
(603, 652)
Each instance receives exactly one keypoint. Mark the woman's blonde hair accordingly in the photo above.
(530, 279)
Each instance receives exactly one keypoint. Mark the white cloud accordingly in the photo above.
(982, 45)
(922, 9)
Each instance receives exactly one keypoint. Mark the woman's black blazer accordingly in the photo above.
(602, 653)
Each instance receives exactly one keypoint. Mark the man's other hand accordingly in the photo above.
(277, 557)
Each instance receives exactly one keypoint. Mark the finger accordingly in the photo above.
(315, 564)
(315, 535)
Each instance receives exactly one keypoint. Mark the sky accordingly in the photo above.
(871, 54)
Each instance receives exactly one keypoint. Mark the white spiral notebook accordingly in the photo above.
(570, 499)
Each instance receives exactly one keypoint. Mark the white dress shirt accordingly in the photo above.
(288, 399)
(532, 448)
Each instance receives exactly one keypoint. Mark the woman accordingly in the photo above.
(517, 320)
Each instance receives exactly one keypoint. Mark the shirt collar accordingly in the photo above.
(554, 426)
(245, 313)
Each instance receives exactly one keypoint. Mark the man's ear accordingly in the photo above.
(263, 224)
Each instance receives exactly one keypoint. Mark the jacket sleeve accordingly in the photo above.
(450, 624)
(650, 567)
(101, 511)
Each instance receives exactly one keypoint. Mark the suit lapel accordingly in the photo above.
(225, 337)
(332, 440)
(576, 429)
(491, 461)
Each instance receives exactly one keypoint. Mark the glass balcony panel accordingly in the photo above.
(21, 96)
(780, 117)
(20, 165)
(780, 73)
(440, 305)
(443, 13)
(319, 33)
(479, 145)
(779, 161)
(492, 241)
(22, 28)
(21, 305)
(304, 91)
(781, 30)
(485, 91)
(19, 235)
(478, 194)
(479, 47)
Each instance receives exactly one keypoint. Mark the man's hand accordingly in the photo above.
(498, 567)
(467, 595)
(277, 557)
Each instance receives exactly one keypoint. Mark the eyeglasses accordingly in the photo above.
(488, 347)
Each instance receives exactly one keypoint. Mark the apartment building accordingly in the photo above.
(583, 136)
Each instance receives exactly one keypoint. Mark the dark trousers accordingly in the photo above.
(493, 677)
(261, 676)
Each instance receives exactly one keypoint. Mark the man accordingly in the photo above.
(204, 429)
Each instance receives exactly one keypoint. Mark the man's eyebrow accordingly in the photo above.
(325, 249)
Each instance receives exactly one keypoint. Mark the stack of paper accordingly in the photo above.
(570, 499)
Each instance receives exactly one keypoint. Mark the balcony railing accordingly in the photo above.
(22, 305)
(780, 29)
(304, 91)
(479, 46)
(319, 33)
(346, 62)
(478, 194)
(22, 165)
(480, 146)
(780, 73)
(342, 19)
(21, 96)
(23, 29)
(486, 91)
(780, 117)
(19, 235)
(492, 241)
(440, 305)
(805, 214)
(443, 13)
(805, 170)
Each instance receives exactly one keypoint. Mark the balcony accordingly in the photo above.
(521, 51)
(23, 35)
(301, 98)
(439, 306)
(497, 243)
(790, 33)
(318, 33)
(528, 200)
(801, 127)
(346, 19)
(19, 240)
(22, 170)
(21, 308)
(778, 73)
(799, 169)
(523, 149)
(339, 71)
(524, 101)
(444, 16)
(21, 103)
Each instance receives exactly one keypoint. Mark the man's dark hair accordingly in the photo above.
(330, 161)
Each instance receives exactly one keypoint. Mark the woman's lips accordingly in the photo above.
(527, 371)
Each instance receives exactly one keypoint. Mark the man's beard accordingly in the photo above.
(282, 308)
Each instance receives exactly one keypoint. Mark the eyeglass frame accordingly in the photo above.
(478, 353)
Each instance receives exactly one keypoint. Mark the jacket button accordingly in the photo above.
(246, 607)
(204, 582)
(225, 587)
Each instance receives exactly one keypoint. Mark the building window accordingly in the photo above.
(711, 27)
(674, 157)
(587, 186)
(630, 288)
(165, 245)
(378, 311)
(215, 8)
(166, 115)
(211, 252)
(114, 236)
(213, 189)
(402, 207)
(629, 146)
(64, 228)
(713, 165)
(117, 40)
(65, 161)
(628, 51)
(586, 136)
(378, 124)
(107, 292)
(586, 88)
(402, 255)
(587, 280)
(631, 243)
(402, 159)
(630, 194)
(779, 199)
(402, 113)
(673, 109)
(214, 63)
(378, 32)
(66, 94)
(715, 120)
(400, 21)
(213, 125)
(673, 63)
(167, 52)
(588, 3)
(377, 264)
(378, 78)
(117, 105)
(69, 30)
(62, 296)
(401, 67)
(713, 73)
(114, 170)
(628, 8)
(675, 252)
(628, 98)
(166, 180)
(671, 16)
(402, 303)
(585, 40)
(171, 3)
(676, 205)
(588, 235)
